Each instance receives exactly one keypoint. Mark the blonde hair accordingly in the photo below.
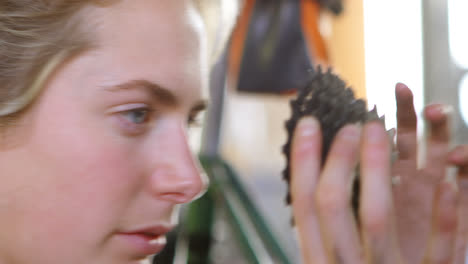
(36, 36)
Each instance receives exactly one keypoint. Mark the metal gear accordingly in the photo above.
(327, 98)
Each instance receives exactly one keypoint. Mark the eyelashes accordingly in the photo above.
(135, 119)
(195, 119)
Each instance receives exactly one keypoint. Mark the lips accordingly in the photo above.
(151, 232)
(145, 241)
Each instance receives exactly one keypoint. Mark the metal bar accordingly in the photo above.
(213, 121)
(247, 215)
(441, 75)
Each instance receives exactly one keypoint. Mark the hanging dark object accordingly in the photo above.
(327, 98)
(335, 6)
(274, 57)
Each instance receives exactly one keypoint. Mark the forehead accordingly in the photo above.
(163, 41)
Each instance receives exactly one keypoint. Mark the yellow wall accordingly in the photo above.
(346, 45)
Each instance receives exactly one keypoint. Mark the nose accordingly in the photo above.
(177, 177)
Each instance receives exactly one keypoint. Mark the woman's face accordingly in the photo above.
(101, 162)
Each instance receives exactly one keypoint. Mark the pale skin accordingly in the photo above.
(104, 149)
(420, 220)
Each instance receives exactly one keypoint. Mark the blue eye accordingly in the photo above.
(137, 116)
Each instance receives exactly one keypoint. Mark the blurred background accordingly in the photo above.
(371, 44)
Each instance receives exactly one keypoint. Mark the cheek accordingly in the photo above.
(80, 155)
(88, 170)
(82, 180)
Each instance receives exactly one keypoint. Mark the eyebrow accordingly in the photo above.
(163, 95)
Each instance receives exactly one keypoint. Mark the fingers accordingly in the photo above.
(305, 170)
(461, 250)
(444, 225)
(437, 116)
(333, 197)
(321, 207)
(376, 211)
(459, 158)
(407, 123)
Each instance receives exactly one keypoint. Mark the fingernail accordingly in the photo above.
(351, 132)
(400, 86)
(445, 109)
(451, 178)
(375, 132)
(396, 180)
(308, 126)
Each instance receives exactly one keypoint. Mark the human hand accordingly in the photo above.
(459, 157)
(414, 193)
(327, 229)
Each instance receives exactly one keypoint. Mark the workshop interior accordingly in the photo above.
(276, 47)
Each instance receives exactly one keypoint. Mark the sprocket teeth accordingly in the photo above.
(327, 98)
